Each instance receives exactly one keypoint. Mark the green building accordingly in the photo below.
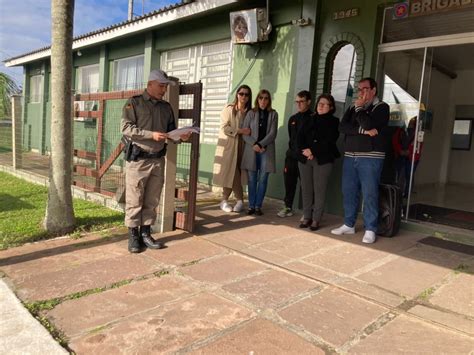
(419, 51)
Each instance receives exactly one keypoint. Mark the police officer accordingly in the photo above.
(146, 119)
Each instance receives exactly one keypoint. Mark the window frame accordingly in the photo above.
(125, 87)
(35, 97)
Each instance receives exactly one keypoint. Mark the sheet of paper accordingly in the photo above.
(175, 134)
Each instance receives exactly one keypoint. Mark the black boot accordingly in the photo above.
(145, 233)
(134, 240)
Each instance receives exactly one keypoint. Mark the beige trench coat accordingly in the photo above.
(227, 150)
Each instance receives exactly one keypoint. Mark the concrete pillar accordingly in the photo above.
(43, 107)
(151, 56)
(24, 113)
(168, 192)
(17, 128)
(104, 69)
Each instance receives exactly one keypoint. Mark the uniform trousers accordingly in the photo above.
(144, 181)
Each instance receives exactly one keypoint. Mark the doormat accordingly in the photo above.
(448, 245)
(441, 215)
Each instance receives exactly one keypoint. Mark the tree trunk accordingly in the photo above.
(59, 211)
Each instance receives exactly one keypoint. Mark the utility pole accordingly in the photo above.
(130, 9)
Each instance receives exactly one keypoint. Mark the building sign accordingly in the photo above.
(427, 7)
(338, 15)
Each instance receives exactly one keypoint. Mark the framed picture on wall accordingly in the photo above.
(462, 134)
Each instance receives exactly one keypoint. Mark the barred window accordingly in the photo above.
(211, 63)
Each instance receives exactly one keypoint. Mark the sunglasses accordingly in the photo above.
(243, 94)
(263, 98)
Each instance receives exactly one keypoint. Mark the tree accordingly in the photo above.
(8, 88)
(59, 210)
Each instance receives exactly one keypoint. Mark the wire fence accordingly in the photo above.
(98, 162)
(95, 141)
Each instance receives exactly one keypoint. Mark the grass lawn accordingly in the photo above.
(22, 209)
(5, 138)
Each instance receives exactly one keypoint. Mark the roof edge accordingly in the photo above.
(184, 9)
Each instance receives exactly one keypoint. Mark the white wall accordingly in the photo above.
(461, 164)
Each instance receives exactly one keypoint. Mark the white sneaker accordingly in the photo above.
(238, 206)
(225, 206)
(369, 237)
(343, 230)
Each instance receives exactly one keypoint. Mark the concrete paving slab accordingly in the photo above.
(224, 269)
(260, 337)
(404, 335)
(414, 271)
(262, 233)
(451, 320)
(58, 246)
(115, 305)
(313, 271)
(43, 286)
(20, 333)
(225, 241)
(271, 288)
(165, 329)
(347, 258)
(298, 246)
(62, 257)
(457, 295)
(186, 251)
(333, 315)
(370, 291)
(266, 256)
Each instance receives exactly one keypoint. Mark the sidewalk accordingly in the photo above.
(245, 284)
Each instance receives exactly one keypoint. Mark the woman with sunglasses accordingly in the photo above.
(259, 150)
(317, 142)
(229, 150)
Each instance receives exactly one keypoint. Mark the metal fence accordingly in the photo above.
(98, 163)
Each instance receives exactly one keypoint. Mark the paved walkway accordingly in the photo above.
(248, 285)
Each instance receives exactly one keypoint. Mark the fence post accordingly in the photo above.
(169, 187)
(17, 129)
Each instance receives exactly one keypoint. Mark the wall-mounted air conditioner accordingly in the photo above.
(249, 26)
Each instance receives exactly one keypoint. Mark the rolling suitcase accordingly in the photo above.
(390, 210)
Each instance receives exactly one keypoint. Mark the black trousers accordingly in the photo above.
(290, 177)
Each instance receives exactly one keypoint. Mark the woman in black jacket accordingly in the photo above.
(317, 141)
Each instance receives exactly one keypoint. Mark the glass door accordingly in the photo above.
(404, 78)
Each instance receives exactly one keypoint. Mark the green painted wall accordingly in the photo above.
(273, 69)
(270, 65)
(31, 136)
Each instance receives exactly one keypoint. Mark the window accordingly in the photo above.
(128, 73)
(462, 133)
(87, 82)
(35, 88)
(88, 79)
(212, 64)
(342, 78)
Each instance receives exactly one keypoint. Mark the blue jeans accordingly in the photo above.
(258, 181)
(361, 174)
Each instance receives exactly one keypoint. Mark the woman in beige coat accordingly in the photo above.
(229, 150)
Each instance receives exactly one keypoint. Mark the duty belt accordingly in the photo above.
(146, 155)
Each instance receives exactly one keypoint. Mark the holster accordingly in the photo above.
(127, 149)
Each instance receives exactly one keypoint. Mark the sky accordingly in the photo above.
(25, 25)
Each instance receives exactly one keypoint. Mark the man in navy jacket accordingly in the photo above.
(364, 154)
